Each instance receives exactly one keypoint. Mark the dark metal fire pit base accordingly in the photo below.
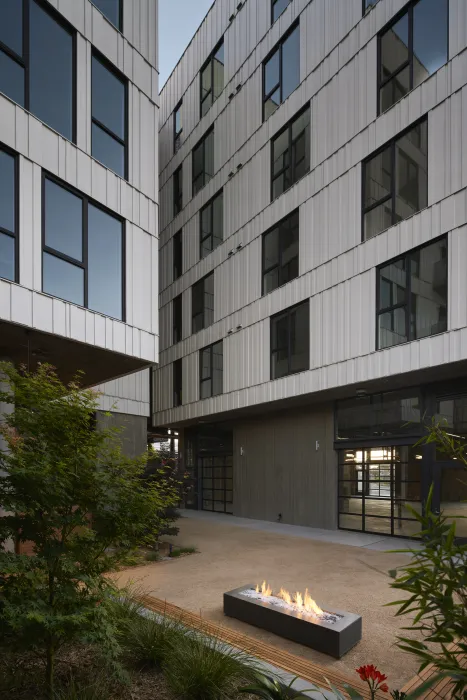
(333, 639)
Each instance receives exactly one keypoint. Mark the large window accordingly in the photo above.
(280, 253)
(177, 320)
(277, 8)
(290, 341)
(178, 190)
(411, 49)
(8, 216)
(211, 371)
(281, 72)
(178, 129)
(113, 10)
(211, 225)
(392, 414)
(177, 382)
(203, 162)
(412, 295)
(83, 251)
(37, 64)
(177, 255)
(212, 78)
(395, 181)
(202, 300)
(109, 116)
(291, 153)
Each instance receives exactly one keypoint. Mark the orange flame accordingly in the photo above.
(302, 601)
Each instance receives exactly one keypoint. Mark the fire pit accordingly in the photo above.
(297, 617)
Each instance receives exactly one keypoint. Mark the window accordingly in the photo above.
(113, 10)
(212, 78)
(290, 341)
(8, 216)
(281, 72)
(211, 225)
(83, 251)
(367, 4)
(109, 116)
(178, 129)
(412, 295)
(177, 255)
(394, 413)
(37, 65)
(411, 49)
(202, 303)
(211, 371)
(277, 8)
(177, 319)
(203, 162)
(177, 382)
(291, 154)
(395, 181)
(280, 253)
(178, 190)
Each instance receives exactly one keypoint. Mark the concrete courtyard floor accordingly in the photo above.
(350, 577)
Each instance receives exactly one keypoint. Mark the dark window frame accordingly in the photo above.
(120, 15)
(264, 270)
(209, 62)
(211, 363)
(83, 264)
(95, 54)
(177, 179)
(177, 381)
(278, 47)
(408, 303)
(193, 315)
(14, 234)
(406, 10)
(24, 60)
(292, 165)
(366, 9)
(391, 197)
(273, 3)
(287, 313)
(177, 319)
(202, 142)
(177, 134)
(211, 234)
(177, 255)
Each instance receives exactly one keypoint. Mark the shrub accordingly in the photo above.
(148, 641)
(182, 550)
(84, 689)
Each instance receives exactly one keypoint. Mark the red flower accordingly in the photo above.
(384, 688)
(375, 679)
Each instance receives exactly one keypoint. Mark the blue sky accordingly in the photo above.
(178, 21)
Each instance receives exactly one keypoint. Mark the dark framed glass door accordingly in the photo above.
(216, 483)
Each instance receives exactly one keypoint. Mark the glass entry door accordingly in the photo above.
(217, 483)
(375, 485)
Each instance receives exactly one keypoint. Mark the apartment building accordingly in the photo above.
(313, 246)
(79, 195)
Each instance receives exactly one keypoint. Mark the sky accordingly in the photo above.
(178, 21)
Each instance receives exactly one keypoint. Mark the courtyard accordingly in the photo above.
(341, 570)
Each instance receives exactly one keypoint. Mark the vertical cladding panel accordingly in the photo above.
(139, 267)
(457, 26)
(163, 388)
(457, 280)
(165, 319)
(144, 142)
(190, 244)
(166, 264)
(244, 353)
(446, 160)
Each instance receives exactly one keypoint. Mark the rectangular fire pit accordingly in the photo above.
(334, 634)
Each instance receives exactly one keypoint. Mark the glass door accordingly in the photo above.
(217, 483)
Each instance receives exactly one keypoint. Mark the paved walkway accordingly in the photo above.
(346, 571)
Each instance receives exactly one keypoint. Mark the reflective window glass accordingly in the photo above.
(108, 117)
(63, 220)
(278, 7)
(11, 25)
(7, 257)
(212, 79)
(7, 192)
(211, 370)
(281, 72)
(177, 311)
(280, 253)
(177, 255)
(105, 263)
(290, 343)
(291, 153)
(211, 225)
(11, 79)
(202, 299)
(291, 63)
(203, 162)
(111, 9)
(62, 279)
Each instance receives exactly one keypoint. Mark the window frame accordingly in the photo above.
(83, 264)
(287, 127)
(407, 305)
(177, 316)
(278, 47)
(202, 280)
(210, 203)
(13, 234)
(24, 60)
(273, 3)
(366, 9)
(95, 54)
(264, 270)
(177, 388)
(120, 15)
(287, 313)
(209, 60)
(211, 363)
(177, 135)
(202, 142)
(380, 83)
(177, 247)
(391, 197)
(177, 191)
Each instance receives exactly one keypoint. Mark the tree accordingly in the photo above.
(164, 462)
(436, 583)
(68, 489)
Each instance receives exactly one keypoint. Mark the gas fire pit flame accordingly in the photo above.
(302, 602)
